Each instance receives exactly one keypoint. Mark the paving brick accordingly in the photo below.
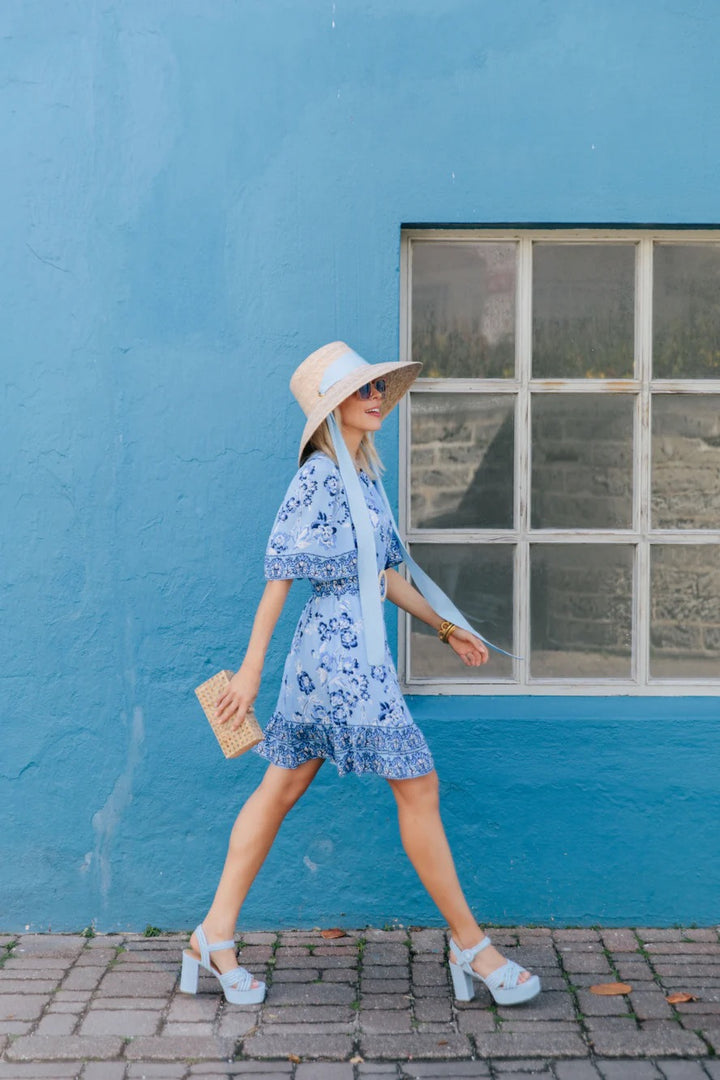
(126, 984)
(630, 1070)
(104, 1070)
(476, 1021)
(374, 935)
(650, 933)
(685, 971)
(75, 1047)
(436, 1070)
(712, 1068)
(683, 1070)
(549, 1005)
(125, 1022)
(621, 941)
(656, 1039)
(385, 971)
(311, 994)
(377, 1022)
(57, 1024)
(518, 1026)
(83, 978)
(580, 963)
(15, 1027)
(543, 1043)
(575, 934)
(650, 1005)
(324, 1071)
(429, 975)
(711, 1033)
(592, 1005)
(384, 1001)
(26, 986)
(338, 1047)
(428, 941)
(387, 986)
(49, 945)
(374, 1070)
(312, 1014)
(40, 1070)
(438, 1009)
(198, 1029)
(685, 948)
(22, 1006)
(259, 937)
(577, 1070)
(386, 954)
(182, 1048)
(34, 967)
(296, 974)
(237, 1021)
(185, 1007)
(417, 1045)
(154, 1071)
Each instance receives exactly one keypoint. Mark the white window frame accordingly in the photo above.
(641, 535)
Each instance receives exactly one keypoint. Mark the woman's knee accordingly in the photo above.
(420, 791)
(285, 786)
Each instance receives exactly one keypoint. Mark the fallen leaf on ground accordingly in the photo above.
(442, 1042)
(357, 1060)
(294, 1058)
(611, 989)
(336, 932)
(680, 996)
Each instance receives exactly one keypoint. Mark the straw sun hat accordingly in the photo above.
(334, 372)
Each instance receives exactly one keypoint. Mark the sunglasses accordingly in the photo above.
(365, 391)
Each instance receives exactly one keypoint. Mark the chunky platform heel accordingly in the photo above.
(237, 984)
(502, 983)
(189, 973)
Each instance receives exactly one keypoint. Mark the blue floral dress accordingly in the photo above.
(332, 703)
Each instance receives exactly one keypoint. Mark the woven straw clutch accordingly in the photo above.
(233, 743)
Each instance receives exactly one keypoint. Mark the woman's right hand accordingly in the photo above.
(234, 703)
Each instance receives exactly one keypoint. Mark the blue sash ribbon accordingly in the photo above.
(370, 598)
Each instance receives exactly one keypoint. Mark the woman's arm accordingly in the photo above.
(471, 650)
(245, 683)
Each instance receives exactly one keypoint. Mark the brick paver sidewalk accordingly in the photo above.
(372, 1004)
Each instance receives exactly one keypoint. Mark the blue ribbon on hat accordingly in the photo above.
(370, 599)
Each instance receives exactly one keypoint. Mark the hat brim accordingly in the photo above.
(399, 377)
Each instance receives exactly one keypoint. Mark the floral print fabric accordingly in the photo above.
(332, 703)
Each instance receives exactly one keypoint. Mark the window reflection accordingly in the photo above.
(685, 615)
(463, 309)
(686, 311)
(581, 610)
(461, 461)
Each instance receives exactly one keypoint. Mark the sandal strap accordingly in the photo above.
(466, 956)
(505, 977)
(206, 948)
(237, 979)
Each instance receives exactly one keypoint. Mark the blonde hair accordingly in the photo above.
(367, 456)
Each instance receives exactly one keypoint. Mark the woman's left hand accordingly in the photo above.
(471, 650)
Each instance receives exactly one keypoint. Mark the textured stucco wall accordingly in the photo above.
(195, 195)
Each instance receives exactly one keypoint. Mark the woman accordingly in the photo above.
(340, 699)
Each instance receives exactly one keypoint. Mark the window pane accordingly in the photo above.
(583, 311)
(463, 309)
(685, 617)
(686, 461)
(582, 461)
(581, 610)
(686, 311)
(461, 461)
(479, 579)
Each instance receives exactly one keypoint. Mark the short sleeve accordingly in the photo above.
(312, 536)
(394, 553)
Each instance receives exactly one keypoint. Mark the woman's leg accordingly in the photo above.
(255, 828)
(425, 843)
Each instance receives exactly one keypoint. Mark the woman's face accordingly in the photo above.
(362, 415)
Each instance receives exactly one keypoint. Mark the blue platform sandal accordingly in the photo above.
(237, 984)
(502, 983)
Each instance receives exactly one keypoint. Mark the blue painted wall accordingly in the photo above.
(194, 195)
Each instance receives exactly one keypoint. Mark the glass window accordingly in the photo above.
(461, 461)
(583, 311)
(686, 311)
(685, 628)
(562, 455)
(463, 309)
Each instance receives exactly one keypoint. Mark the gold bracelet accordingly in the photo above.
(445, 630)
